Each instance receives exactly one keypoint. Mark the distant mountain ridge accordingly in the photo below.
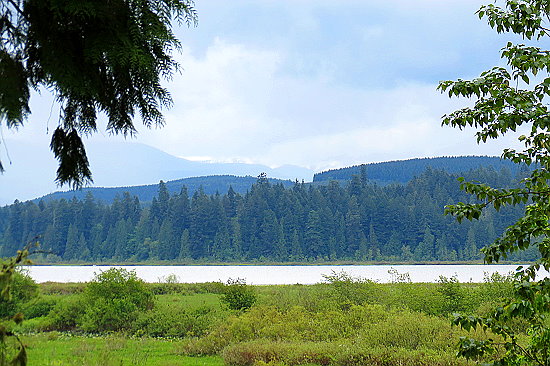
(116, 164)
(402, 171)
(209, 184)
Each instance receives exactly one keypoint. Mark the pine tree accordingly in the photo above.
(354, 228)
(71, 250)
(425, 249)
(168, 248)
(236, 239)
(184, 252)
(313, 239)
(374, 246)
(295, 247)
(281, 250)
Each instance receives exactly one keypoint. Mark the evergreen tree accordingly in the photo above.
(184, 252)
(425, 249)
(392, 249)
(268, 236)
(168, 245)
(354, 229)
(71, 250)
(281, 250)
(236, 238)
(313, 239)
(363, 253)
(295, 247)
(374, 246)
(83, 251)
(441, 249)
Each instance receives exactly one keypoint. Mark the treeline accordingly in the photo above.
(209, 184)
(402, 171)
(356, 221)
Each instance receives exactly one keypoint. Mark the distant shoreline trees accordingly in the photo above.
(357, 221)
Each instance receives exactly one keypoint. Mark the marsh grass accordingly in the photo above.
(342, 322)
(58, 349)
(332, 354)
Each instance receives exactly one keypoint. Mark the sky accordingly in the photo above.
(314, 83)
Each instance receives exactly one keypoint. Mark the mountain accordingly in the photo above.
(145, 193)
(381, 173)
(402, 171)
(115, 164)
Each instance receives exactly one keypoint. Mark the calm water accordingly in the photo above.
(273, 275)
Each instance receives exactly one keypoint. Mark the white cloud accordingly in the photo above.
(322, 84)
(233, 104)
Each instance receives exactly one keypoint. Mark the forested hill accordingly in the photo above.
(402, 171)
(145, 193)
(352, 221)
(381, 173)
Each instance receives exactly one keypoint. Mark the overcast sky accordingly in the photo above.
(315, 83)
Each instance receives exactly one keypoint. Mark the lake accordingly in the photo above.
(275, 275)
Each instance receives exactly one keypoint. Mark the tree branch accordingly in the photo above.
(528, 193)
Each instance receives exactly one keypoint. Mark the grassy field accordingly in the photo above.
(56, 349)
(344, 322)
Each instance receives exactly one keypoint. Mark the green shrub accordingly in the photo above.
(358, 356)
(330, 353)
(113, 300)
(496, 287)
(409, 330)
(23, 289)
(372, 325)
(349, 290)
(257, 352)
(211, 344)
(38, 324)
(420, 297)
(238, 295)
(38, 307)
(316, 297)
(456, 298)
(66, 314)
(166, 321)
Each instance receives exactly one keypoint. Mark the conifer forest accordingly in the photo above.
(353, 220)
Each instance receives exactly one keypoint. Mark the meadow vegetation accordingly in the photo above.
(120, 320)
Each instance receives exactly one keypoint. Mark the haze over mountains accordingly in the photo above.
(120, 165)
(385, 173)
(113, 164)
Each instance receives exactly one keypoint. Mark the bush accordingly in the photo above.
(238, 295)
(66, 313)
(456, 298)
(38, 307)
(113, 299)
(348, 290)
(23, 289)
(330, 353)
(298, 324)
(409, 330)
(256, 352)
(173, 322)
(311, 297)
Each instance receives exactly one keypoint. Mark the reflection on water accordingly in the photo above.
(275, 275)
